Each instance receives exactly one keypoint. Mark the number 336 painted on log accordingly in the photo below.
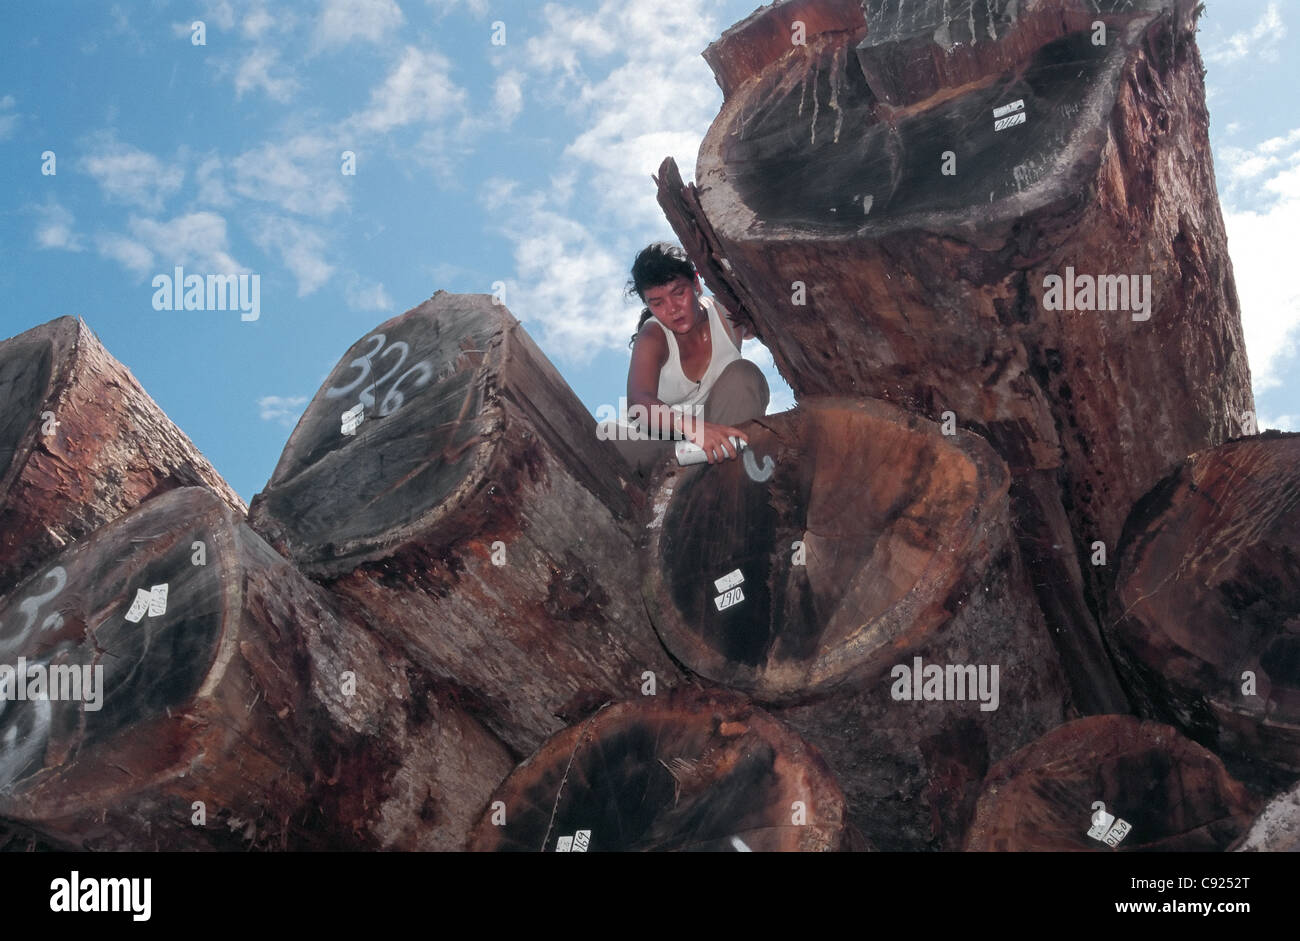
(394, 399)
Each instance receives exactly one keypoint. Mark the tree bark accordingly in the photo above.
(876, 539)
(887, 238)
(81, 443)
(1209, 581)
(473, 516)
(1174, 795)
(688, 771)
(246, 690)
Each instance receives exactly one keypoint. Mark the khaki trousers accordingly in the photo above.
(740, 393)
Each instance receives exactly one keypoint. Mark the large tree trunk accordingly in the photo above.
(1209, 580)
(694, 771)
(887, 238)
(245, 689)
(875, 540)
(473, 516)
(1171, 793)
(80, 444)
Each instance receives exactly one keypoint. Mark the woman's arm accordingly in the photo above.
(649, 353)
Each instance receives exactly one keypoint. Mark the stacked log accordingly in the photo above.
(897, 202)
(199, 693)
(688, 771)
(1108, 783)
(81, 443)
(473, 516)
(876, 552)
(1209, 580)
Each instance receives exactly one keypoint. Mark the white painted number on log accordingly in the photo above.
(394, 400)
(30, 609)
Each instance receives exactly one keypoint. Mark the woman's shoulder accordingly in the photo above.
(734, 331)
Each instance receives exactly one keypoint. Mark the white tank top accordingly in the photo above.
(674, 387)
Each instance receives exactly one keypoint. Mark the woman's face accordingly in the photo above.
(675, 304)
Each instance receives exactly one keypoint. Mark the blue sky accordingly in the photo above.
(527, 163)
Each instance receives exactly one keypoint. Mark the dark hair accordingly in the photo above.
(657, 264)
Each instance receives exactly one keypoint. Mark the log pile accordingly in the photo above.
(473, 515)
(81, 443)
(1001, 581)
(230, 705)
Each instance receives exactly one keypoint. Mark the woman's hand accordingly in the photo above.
(713, 438)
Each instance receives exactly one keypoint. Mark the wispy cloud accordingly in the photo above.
(1259, 42)
(8, 117)
(1261, 221)
(129, 175)
(343, 21)
(631, 77)
(367, 297)
(54, 228)
(419, 89)
(282, 409)
(197, 240)
(254, 74)
(299, 175)
(301, 248)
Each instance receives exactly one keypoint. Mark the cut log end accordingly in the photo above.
(686, 772)
(1135, 785)
(1209, 581)
(856, 547)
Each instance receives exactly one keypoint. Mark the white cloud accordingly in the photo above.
(300, 175)
(418, 89)
(127, 252)
(508, 95)
(212, 188)
(282, 409)
(300, 247)
(478, 8)
(54, 229)
(196, 239)
(1261, 230)
(258, 22)
(8, 117)
(658, 98)
(214, 13)
(1258, 42)
(368, 297)
(1280, 422)
(129, 175)
(254, 73)
(342, 21)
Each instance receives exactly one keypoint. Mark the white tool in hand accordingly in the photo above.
(691, 453)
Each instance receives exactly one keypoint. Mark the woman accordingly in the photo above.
(685, 354)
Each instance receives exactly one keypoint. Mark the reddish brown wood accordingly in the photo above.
(1209, 584)
(876, 539)
(823, 208)
(236, 695)
(81, 443)
(688, 771)
(1174, 794)
(478, 521)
